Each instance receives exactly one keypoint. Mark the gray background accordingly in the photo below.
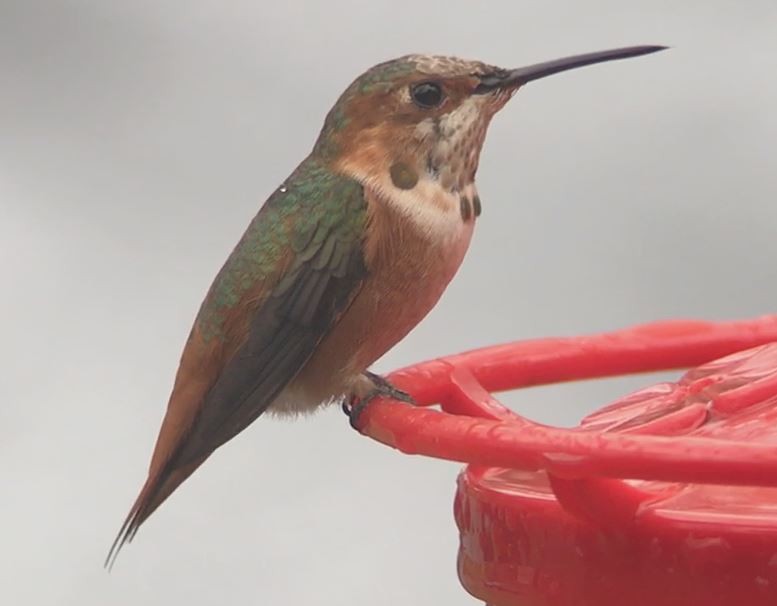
(137, 139)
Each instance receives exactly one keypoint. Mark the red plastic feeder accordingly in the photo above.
(666, 497)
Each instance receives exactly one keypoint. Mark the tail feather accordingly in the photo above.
(154, 492)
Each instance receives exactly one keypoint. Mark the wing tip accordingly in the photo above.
(125, 535)
(129, 528)
(154, 492)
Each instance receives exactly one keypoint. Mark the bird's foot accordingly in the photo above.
(381, 388)
(387, 390)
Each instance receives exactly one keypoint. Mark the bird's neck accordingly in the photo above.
(420, 196)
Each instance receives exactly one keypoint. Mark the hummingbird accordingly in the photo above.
(342, 261)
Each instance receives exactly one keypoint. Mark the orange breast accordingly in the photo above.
(410, 267)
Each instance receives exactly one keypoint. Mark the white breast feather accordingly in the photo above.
(435, 211)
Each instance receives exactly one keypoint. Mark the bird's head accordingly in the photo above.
(426, 116)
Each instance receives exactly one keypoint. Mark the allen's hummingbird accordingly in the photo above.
(343, 259)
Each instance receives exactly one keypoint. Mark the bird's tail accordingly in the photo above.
(154, 492)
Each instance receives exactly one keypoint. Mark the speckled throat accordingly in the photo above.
(453, 141)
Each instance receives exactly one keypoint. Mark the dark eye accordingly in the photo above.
(427, 94)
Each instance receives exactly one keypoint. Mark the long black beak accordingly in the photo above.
(522, 75)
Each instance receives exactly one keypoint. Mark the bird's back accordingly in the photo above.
(295, 269)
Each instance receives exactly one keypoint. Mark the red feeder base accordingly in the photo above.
(519, 545)
(666, 497)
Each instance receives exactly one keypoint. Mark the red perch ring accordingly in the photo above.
(667, 497)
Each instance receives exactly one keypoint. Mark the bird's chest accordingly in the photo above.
(416, 252)
(412, 251)
(413, 248)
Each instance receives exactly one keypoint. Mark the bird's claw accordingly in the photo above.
(354, 406)
(385, 389)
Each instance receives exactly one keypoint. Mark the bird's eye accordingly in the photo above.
(427, 94)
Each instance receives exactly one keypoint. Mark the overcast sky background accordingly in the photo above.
(137, 139)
